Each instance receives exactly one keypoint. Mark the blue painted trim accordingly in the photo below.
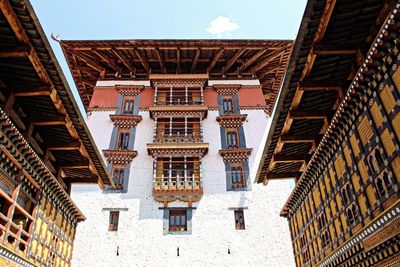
(220, 104)
(119, 105)
(165, 221)
(223, 137)
(242, 139)
(236, 103)
(113, 140)
(246, 169)
(136, 105)
(132, 133)
(228, 177)
(189, 216)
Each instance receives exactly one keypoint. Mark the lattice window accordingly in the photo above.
(177, 220)
(113, 222)
(123, 140)
(232, 139)
(227, 105)
(128, 106)
(365, 130)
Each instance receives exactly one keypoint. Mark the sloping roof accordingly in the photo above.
(90, 61)
(44, 108)
(333, 39)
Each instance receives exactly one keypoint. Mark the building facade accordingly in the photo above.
(44, 147)
(181, 151)
(345, 207)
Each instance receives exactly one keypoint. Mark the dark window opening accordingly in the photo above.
(227, 105)
(113, 224)
(380, 187)
(237, 177)
(325, 239)
(386, 181)
(239, 220)
(128, 106)
(177, 220)
(321, 221)
(123, 141)
(118, 178)
(232, 139)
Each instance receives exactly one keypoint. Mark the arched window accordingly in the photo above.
(348, 191)
(378, 157)
(344, 196)
(380, 187)
(386, 181)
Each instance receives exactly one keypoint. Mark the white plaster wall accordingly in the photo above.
(265, 242)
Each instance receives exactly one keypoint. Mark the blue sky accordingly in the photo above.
(167, 19)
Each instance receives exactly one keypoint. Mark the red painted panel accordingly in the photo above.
(211, 98)
(251, 97)
(104, 98)
(146, 97)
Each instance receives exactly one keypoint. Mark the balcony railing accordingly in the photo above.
(178, 138)
(178, 102)
(177, 183)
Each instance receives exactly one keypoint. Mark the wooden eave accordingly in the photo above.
(333, 39)
(90, 61)
(37, 98)
(345, 113)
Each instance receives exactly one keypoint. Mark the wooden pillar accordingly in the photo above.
(186, 95)
(170, 96)
(201, 95)
(185, 126)
(170, 126)
(185, 169)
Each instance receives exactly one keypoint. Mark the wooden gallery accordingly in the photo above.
(336, 130)
(44, 146)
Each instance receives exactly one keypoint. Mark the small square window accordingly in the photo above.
(177, 220)
(113, 224)
(239, 220)
(232, 138)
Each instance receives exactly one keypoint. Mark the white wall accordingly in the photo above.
(265, 242)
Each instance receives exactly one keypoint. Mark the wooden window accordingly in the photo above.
(113, 224)
(383, 184)
(128, 106)
(232, 138)
(118, 178)
(326, 240)
(351, 214)
(227, 105)
(177, 220)
(346, 193)
(321, 221)
(237, 177)
(239, 220)
(123, 140)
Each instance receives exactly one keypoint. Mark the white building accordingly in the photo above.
(183, 151)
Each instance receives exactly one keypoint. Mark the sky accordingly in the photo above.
(166, 19)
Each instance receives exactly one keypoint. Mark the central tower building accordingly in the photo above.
(180, 125)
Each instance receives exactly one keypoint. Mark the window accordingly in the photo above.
(177, 220)
(351, 214)
(118, 178)
(326, 240)
(237, 177)
(227, 105)
(123, 140)
(346, 193)
(321, 221)
(232, 139)
(383, 184)
(128, 106)
(239, 220)
(113, 224)
(375, 160)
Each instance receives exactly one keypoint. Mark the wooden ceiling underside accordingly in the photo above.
(221, 59)
(333, 39)
(36, 97)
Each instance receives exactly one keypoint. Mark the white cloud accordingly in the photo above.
(222, 25)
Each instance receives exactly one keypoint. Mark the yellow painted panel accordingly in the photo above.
(363, 205)
(396, 78)
(337, 225)
(356, 184)
(326, 210)
(396, 167)
(327, 185)
(48, 236)
(38, 225)
(332, 231)
(343, 219)
(363, 170)
(338, 201)
(316, 197)
(311, 204)
(299, 219)
(376, 114)
(332, 175)
(321, 189)
(388, 100)
(34, 245)
(354, 145)
(46, 253)
(371, 195)
(365, 130)
(339, 166)
(396, 124)
(333, 208)
(347, 155)
(387, 142)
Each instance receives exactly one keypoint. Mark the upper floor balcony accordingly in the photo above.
(178, 130)
(178, 96)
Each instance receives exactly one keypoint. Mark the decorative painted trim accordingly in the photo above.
(171, 195)
(91, 109)
(180, 82)
(235, 155)
(124, 120)
(181, 149)
(198, 111)
(392, 215)
(227, 89)
(129, 90)
(265, 108)
(119, 156)
(231, 120)
(175, 140)
(12, 256)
